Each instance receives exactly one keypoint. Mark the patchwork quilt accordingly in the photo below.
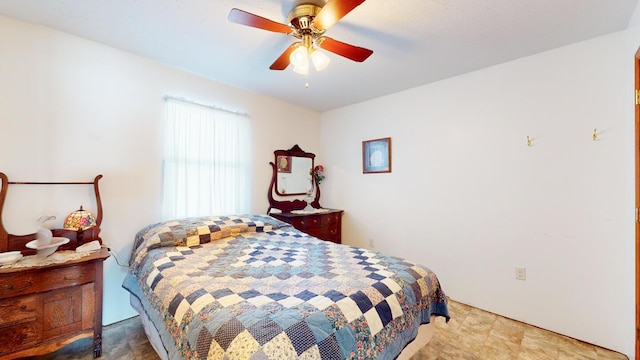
(252, 287)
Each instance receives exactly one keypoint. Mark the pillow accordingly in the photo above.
(194, 231)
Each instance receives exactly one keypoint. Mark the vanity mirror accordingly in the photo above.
(292, 177)
(293, 173)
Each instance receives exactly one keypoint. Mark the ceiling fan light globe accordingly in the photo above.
(320, 60)
(302, 69)
(299, 57)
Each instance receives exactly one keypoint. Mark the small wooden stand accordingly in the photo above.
(45, 307)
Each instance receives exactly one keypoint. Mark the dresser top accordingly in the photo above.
(302, 214)
(100, 255)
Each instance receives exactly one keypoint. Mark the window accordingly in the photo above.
(206, 161)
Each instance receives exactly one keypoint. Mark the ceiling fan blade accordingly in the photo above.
(333, 11)
(245, 18)
(282, 62)
(351, 52)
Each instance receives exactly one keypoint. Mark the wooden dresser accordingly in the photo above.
(45, 308)
(299, 169)
(325, 225)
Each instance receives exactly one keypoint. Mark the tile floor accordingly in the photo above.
(471, 334)
(474, 334)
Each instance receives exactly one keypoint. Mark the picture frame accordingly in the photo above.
(284, 164)
(376, 156)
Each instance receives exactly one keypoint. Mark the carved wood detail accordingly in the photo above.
(9, 242)
(290, 205)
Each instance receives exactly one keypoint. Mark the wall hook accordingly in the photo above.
(529, 141)
(595, 135)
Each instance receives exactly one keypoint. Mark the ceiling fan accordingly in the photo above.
(308, 23)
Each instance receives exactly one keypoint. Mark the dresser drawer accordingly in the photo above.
(307, 222)
(28, 282)
(315, 221)
(68, 276)
(330, 219)
(17, 284)
(19, 336)
(22, 308)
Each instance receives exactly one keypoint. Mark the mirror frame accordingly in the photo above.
(297, 204)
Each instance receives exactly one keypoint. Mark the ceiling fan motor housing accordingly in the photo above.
(302, 15)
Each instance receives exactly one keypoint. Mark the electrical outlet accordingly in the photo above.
(372, 243)
(521, 273)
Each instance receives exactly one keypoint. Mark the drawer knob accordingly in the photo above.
(9, 287)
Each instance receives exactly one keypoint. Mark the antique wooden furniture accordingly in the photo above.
(10, 242)
(43, 308)
(295, 165)
(281, 185)
(325, 225)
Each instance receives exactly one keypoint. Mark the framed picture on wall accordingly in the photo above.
(376, 156)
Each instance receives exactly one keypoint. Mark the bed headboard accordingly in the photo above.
(11, 242)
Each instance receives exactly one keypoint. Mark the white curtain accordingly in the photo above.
(206, 161)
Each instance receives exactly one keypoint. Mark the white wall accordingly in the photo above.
(468, 198)
(71, 109)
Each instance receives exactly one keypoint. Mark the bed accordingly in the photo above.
(253, 287)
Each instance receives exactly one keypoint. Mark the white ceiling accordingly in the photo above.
(414, 42)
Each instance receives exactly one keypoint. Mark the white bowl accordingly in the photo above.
(46, 250)
(10, 257)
